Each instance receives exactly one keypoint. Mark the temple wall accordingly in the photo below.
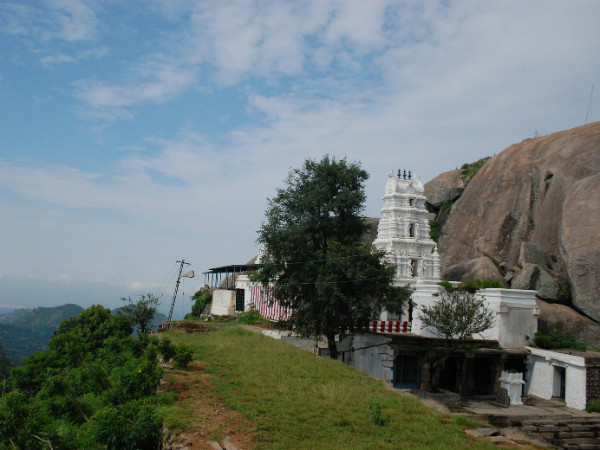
(223, 302)
(545, 369)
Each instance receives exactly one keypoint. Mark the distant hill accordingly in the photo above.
(26, 331)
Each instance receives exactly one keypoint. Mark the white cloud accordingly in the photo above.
(68, 20)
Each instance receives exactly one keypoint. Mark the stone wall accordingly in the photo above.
(369, 353)
(593, 384)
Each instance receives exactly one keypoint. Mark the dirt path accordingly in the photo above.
(212, 426)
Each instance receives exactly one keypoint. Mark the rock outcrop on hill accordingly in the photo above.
(533, 211)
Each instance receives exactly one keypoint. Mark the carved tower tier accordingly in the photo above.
(403, 231)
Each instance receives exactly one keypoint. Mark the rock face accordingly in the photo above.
(565, 319)
(535, 209)
(479, 268)
(446, 187)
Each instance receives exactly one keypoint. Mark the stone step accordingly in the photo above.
(579, 444)
(566, 431)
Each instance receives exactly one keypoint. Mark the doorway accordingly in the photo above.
(407, 372)
(240, 299)
(559, 383)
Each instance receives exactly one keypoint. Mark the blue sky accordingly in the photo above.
(137, 133)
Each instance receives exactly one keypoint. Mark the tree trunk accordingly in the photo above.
(333, 351)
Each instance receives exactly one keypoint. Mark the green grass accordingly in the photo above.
(299, 401)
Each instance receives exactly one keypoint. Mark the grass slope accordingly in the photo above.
(296, 400)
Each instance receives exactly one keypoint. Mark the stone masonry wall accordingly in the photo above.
(592, 384)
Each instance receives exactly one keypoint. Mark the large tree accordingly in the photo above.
(314, 256)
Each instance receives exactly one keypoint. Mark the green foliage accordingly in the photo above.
(313, 251)
(142, 430)
(166, 349)
(140, 312)
(251, 317)
(296, 401)
(434, 230)
(458, 314)
(593, 407)
(447, 205)
(93, 379)
(564, 294)
(475, 285)
(471, 286)
(470, 169)
(27, 331)
(201, 298)
(376, 412)
(556, 340)
(183, 356)
(5, 364)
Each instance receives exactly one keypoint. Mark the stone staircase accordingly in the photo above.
(564, 431)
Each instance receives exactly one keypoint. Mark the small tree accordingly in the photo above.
(456, 316)
(140, 312)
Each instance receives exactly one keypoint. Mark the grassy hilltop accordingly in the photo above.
(271, 395)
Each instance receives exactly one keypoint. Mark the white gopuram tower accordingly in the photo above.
(403, 232)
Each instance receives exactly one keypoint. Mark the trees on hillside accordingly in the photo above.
(93, 388)
(314, 256)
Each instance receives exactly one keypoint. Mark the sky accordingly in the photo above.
(134, 134)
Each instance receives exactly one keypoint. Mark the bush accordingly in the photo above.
(555, 340)
(93, 388)
(166, 349)
(434, 231)
(183, 356)
(472, 285)
(251, 317)
(470, 169)
(593, 407)
(201, 298)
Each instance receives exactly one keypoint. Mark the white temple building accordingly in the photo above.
(403, 231)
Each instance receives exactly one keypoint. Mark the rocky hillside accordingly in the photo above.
(529, 217)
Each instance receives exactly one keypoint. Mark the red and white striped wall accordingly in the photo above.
(271, 308)
(390, 326)
(267, 305)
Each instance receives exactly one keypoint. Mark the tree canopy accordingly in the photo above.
(140, 312)
(314, 257)
(93, 388)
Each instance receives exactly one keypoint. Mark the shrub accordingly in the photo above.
(251, 317)
(201, 298)
(555, 340)
(166, 349)
(183, 356)
(376, 412)
(434, 231)
(470, 169)
(593, 407)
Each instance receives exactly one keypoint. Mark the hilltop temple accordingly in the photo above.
(403, 231)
